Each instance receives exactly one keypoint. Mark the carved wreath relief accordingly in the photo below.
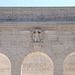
(37, 39)
(37, 35)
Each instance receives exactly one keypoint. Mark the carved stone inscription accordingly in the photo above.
(5, 66)
(37, 65)
(69, 65)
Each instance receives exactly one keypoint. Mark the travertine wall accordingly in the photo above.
(58, 42)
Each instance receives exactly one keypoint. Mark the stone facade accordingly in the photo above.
(44, 34)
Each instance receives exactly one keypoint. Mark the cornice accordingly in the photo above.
(42, 27)
(36, 8)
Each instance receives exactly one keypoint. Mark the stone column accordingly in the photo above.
(58, 67)
(16, 65)
(16, 68)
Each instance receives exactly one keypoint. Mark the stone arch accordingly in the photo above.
(69, 64)
(37, 63)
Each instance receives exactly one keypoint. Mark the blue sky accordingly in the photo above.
(36, 3)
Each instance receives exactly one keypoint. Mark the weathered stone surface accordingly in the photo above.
(58, 26)
(37, 14)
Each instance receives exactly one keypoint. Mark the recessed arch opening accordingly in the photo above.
(37, 63)
(5, 65)
(69, 64)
